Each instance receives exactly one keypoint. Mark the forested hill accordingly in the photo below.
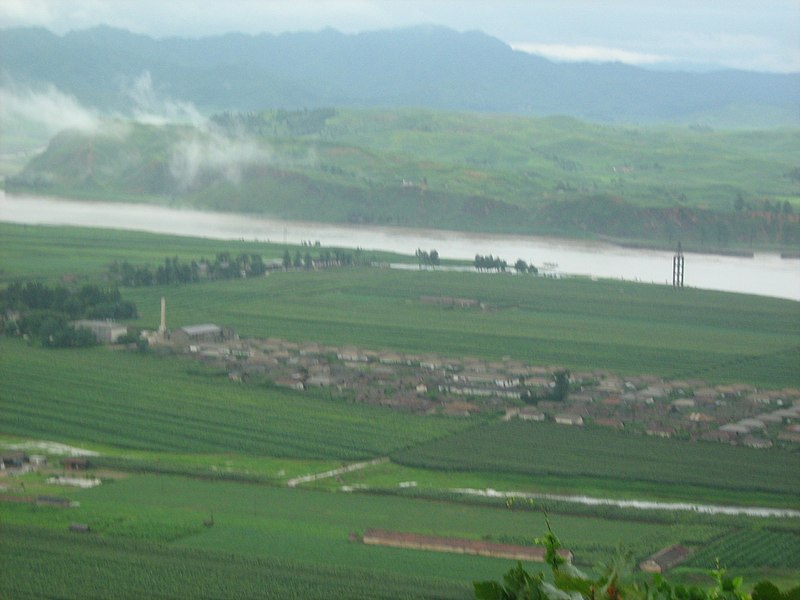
(429, 67)
(461, 171)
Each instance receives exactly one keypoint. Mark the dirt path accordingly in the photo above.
(333, 473)
(712, 509)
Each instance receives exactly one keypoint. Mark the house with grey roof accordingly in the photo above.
(204, 333)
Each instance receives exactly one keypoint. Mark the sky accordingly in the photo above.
(758, 35)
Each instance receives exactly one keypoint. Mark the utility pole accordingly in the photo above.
(677, 268)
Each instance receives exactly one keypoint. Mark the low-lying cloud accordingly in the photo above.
(46, 109)
(202, 151)
(583, 53)
(152, 108)
(208, 152)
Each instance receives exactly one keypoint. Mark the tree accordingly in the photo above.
(560, 389)
(427, 258)
(521, 266)
(434, 257)
(422, 257)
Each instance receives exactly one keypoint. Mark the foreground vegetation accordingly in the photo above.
(614, 582)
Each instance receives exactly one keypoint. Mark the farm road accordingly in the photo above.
(334, 472)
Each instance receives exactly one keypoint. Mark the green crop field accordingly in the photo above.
(753, 548)
(576, 323)
(74, 567)
(579, 324)
(387, 477)
(144, 402)
(311, 528)
(179, 442)
(50, 253)
(539, 448)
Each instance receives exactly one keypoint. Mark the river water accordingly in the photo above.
(766, 274)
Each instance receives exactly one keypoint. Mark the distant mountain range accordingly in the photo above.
(428, 67)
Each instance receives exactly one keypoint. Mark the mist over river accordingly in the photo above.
(765, 274)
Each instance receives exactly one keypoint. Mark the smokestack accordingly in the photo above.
(162, 329)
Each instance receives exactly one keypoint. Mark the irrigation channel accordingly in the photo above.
(709, 509)
(764, 274)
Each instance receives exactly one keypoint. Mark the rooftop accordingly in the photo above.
(201, 329)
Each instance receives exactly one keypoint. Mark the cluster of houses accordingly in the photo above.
(427, 383)
(734, 414)
(19, 462)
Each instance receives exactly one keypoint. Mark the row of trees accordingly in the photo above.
(45, 314)
(228, 266)
(51, 329)
(325, 259)
(785, 208)
(491, 263)
(173, 271)
(522, 267)
(427, 259)
(88, 301)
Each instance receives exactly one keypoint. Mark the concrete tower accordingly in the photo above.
(162, 329)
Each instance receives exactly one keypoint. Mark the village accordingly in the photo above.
(431, 384)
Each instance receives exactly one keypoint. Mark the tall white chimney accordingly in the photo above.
(162, 329)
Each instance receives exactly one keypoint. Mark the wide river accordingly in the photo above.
(766, 274)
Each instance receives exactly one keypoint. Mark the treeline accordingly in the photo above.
(281, 122)
(174, 271)
(228, 266)
(324, 258)
(46, 313)
(428, 259)
(489, 263)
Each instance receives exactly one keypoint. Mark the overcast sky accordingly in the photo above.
(747, 34)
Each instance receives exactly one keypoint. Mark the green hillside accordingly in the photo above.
(462, 171)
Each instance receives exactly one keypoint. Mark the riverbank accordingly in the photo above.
(578, 235)
(764, 274)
